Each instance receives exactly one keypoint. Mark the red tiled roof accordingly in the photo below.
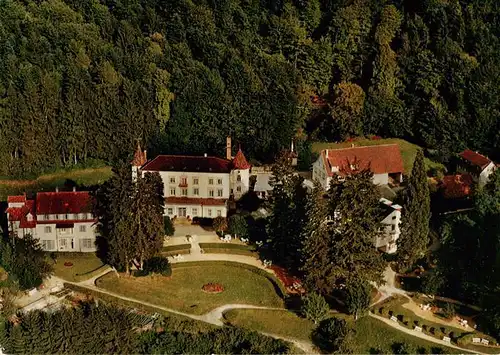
(196, 201)
(15, 213)
(240, 162)
(379, 159)
(456, 186)
(188, 163)
(139, 157)
(18, 199)
(63, 202)
(475, 158)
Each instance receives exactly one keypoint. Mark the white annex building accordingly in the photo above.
(384, 161)
(386, 164)
(197, 186)
(62, 221)
(478, 165)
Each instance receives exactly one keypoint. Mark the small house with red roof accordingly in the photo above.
(61, 221)
(198, 186)
(478, 165)
(384, 161)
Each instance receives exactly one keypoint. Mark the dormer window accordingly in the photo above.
(29, 217)
(46, 217)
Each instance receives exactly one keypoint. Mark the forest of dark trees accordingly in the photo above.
(83, 79)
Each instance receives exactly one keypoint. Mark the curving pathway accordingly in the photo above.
(214, 317)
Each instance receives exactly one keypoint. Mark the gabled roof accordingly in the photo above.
(188, 163)
(21, 214)
(475, 158)
(457, 186)
(240, 162)
(63, 202)
(16, 199)
(139, 156)
(379, 159)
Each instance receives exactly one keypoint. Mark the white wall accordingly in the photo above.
(203, 184)
(244, 184)
(202, 211)
(381, 179)
(484, 177)
(320, 173)
(391, 232)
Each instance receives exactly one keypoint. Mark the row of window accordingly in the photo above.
(182, 212)
(196, 192)
(196, 181)
(48, 229)
(87, 243)
(67, 216)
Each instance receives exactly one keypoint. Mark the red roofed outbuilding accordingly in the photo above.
(478, 165)
(384, 161)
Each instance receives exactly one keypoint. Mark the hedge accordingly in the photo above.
(172, 248)
(227, 246)
(230, 251)
(173, 321)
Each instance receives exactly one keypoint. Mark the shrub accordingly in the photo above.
(314, 307)
(358, 297)
(334, 335)
(157, 265)
(449, 310)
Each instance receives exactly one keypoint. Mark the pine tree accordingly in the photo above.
(114, 200)
(358, 297)
(314, 307)
(414, 238)
(339, 243)
(287, 218)
(354, 212)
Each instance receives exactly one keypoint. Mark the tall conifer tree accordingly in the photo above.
(288, 213)
(416, 214)
(342, 247)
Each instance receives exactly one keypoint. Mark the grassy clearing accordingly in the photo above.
(372, 336)
(85, 266)
(48, 182)
(182, 291)
(172, 321)
(408, 150)
(283, 323)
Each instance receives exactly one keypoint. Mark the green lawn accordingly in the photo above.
(85, 266)
(372, 336)
(182, 291)
(283, 323)
(408, 150)
(48, 182)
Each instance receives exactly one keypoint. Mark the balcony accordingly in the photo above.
(183, 183)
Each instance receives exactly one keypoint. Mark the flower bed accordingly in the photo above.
(213, 288)
(291, 283)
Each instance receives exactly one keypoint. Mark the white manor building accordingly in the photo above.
(61, 221)
(197, 186)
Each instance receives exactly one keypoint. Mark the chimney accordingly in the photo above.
(228, 148)
(205, 155)
(145, 155)
(74, 188)
(57, 189)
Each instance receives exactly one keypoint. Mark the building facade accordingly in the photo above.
(197, 186)
(384, 161)
(478, 165)
(61, 221)
(390, 230)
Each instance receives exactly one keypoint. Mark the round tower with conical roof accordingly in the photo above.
(240, 175)
(138, 161)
